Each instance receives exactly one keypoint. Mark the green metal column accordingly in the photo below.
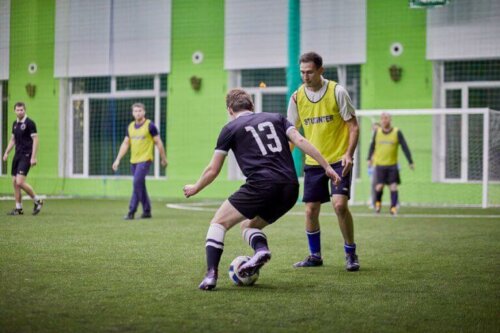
(293, 80)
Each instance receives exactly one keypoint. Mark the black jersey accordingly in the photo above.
(260, 144)
(23, 132)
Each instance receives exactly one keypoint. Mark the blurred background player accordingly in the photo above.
(259, 142)
(25, 138)
(383, 154)
(324, 110)
(141, 136)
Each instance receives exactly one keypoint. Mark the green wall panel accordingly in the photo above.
(32, 41)
(389, 22)
(195, 117)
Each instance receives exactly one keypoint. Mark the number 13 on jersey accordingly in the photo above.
(272, 136)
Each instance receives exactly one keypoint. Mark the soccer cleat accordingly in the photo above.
(351, 262)
(255, 263)
(394, 211)
(146, 215)
(16, 211)
(209, 281)
(37, 206)
(378, 207)
(129, 216)
(310, 261)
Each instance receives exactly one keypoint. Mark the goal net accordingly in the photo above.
(456, 153)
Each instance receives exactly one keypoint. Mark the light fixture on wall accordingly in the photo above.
(30, 90)
(395, 72)
(195, 82)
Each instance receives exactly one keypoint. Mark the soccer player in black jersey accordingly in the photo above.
(259, 142)
(25, 139)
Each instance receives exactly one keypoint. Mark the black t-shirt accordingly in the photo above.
(23, 132)
(260, 145)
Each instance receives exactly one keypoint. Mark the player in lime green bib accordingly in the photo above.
(383, 154)
(324, 110)
(142, 136)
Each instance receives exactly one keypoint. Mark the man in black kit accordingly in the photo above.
(259, 142)
(25, 138)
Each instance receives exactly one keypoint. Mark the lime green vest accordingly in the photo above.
(141, 143)
(323, 125)
(386, 147)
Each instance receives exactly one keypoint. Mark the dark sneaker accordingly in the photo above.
(351, 262)
(146, 215)
(255, 263)
(378, 207)
(38, 206)
(310, 261)
(209, 281)
(16, 211)
(129, 216)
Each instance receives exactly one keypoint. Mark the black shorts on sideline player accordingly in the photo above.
(387, 174)
(270, 201)
(21, 164)
(316, 183)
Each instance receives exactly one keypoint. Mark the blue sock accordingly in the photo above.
(394, 198)
(350, 248)
(314, 239)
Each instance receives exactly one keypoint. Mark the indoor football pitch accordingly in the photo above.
(78, 267)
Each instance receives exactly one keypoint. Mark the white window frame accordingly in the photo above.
(464, 87)
(68, 137)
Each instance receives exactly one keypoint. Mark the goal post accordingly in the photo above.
(456, 154)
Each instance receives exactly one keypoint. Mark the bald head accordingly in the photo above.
(385, 120)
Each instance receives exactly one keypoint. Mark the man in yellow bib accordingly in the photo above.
(141, 136)
(383, 154)
(324, 110)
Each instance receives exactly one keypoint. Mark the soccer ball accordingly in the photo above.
(236, 278)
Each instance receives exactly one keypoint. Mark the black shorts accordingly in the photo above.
(316, 184)
(21, 164)
(387, 174)
(270, 201)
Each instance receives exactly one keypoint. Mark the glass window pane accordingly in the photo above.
(78, 136)
(462, 71)
(163, 83)
(91, 85)
(483, 98)
(330, 73)
(272, 77)
(274, 103)
(453, 136)
(135, 83)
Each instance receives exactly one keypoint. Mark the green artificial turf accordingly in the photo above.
(78, 267)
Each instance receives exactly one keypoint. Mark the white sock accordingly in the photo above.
(36, 198)
(19, 205)
(215, 236)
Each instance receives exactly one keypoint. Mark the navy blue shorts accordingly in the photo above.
(316, 184)
(270, 201)
(21, 164)
(387, 174)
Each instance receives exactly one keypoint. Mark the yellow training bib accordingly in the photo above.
(141, 143)
(386, 147)
(323, 125)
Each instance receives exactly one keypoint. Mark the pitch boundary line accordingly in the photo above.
(200, 206)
